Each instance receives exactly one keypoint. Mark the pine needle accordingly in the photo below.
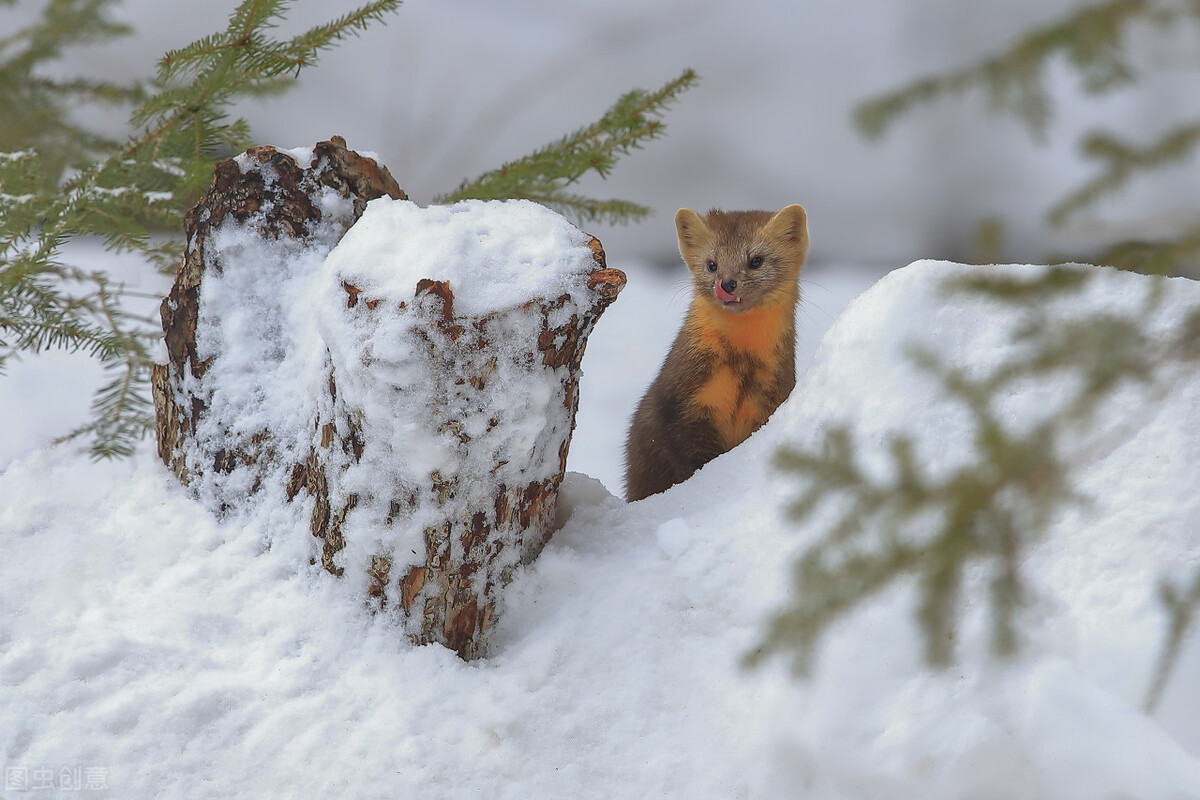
(877, 532)
(119, 191)
(544, 175)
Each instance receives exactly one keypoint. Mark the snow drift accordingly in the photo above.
(182, 657)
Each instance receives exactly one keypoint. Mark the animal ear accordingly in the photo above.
(790, 225)
(691, 228)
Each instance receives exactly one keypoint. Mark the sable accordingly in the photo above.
(734, 360)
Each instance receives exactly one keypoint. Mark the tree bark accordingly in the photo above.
(434, 547)
(276, 196)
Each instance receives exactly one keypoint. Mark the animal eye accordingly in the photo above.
(712, 265)
(755, 262)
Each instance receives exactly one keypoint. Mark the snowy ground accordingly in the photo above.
(147, 650)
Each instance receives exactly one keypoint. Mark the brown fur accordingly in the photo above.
(732, 363)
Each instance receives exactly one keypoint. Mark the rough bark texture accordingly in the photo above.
(475, 529)
(471, 521)
(242, 194)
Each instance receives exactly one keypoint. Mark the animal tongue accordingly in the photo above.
(722, 295)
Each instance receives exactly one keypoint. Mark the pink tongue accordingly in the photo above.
(722, 295)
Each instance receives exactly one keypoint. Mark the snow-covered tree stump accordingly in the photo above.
(263, 194)
(409, 379)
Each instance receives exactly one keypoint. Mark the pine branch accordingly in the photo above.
(1122, 162)
(1181, 606)
(542, 176)
(35, 107)
(36, 315)
(915, 526)
(146, 182)
(119, 192)
(1091, 39)
(1179, 255)
(63, 23)
(122, 413)
(350, 24)
(878, 531)
(1099, 353)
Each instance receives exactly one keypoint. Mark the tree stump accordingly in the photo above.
(422, 427)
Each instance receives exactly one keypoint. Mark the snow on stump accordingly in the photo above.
(406, 376)
(264, 200)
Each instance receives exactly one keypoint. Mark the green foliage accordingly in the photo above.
(979, 519)
(1121, 163)
(544, 175)
(914, 525)
(59, 180)
(1094, 41)
(34, 106)
(119, 192)
(1181, 606)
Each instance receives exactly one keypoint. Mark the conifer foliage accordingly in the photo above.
(120, 192)
(1098, 41)
(59, 180)
(983, 517)
(544, 176)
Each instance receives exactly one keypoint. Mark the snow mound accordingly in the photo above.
(185, 657)
(494, 255)
(1064, 720)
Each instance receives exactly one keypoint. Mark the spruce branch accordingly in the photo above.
(912, 525)
(37, 315)
(35, 107)
(120, 192)
(1092, 39)
(121, 411)
(59, 182)
(1121, 162)
(544, 175)
(1177, 255)
(877, 530)
(1181, 606)
(352, 23)
(1106, 350)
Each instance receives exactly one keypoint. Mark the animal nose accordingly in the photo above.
(729, 284)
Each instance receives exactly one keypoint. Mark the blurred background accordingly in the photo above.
(449, 89)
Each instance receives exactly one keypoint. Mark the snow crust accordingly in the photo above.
(493, 255)
(196, 658)
(426, 404)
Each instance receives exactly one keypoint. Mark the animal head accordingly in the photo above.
(741, 260)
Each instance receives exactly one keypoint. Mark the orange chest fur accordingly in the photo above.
(745, 353)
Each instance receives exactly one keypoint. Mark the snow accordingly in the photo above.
(425, 407)
(493, 255)
(183, 656)
(255, 322)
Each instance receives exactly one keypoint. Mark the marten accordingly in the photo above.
(734, 360)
